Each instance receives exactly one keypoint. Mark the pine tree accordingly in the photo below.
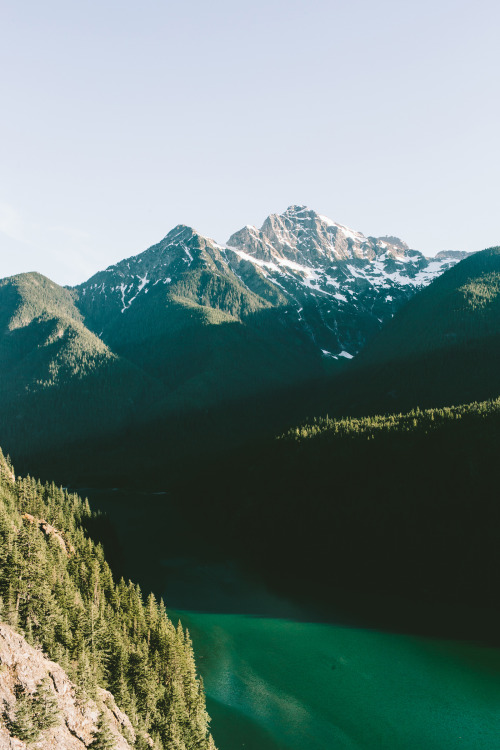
(104, 738)
(24, 725)
(64, 600)
(46, 709)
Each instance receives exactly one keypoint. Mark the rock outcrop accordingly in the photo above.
(22, 669)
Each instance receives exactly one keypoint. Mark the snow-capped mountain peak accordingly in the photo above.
(333, 282)
(182, 249)
(302, 235)
(333, 273)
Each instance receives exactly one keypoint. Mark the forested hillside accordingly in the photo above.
(57, 589)
(403, 504)
(184, 317)
(441, 348)
(59, 382)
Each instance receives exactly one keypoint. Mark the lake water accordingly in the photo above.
(276, 679)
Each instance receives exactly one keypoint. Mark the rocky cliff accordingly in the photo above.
(76, 719)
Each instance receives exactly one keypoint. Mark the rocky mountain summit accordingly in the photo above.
(336, 285)
(342, 284)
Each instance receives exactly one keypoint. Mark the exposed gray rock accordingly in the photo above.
(343, 285)
(337, 286)
(22, 666)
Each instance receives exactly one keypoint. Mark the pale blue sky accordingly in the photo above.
(121, 119)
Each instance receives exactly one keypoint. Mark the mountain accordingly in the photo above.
(193, 338)
(341, 285)
(443, 346)
(336, 286)
(58, 380)
(272, 308)
(180, 313)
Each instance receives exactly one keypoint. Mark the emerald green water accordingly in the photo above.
(318, 686)
(281, 682)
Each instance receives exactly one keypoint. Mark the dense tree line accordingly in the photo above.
(57, 589)
(402, 504)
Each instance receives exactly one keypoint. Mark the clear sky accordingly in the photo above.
(121, 119)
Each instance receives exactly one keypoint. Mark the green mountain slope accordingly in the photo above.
(403, 504)
(443, 346)
(57, 590)
(58, 381)
(43, 339)
(180, 313)
(461, 306)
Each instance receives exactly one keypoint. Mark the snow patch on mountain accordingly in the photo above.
(338, 285)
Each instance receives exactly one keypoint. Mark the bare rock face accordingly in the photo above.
(22, 669)
(341, 286)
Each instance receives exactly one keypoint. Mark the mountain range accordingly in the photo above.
(440, 349)
(192, 367)
(399, 497)
(336, 286)
(190, 325)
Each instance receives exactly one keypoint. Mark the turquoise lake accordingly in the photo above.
(279, 684)
(277, 681)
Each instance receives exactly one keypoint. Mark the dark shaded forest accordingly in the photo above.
(400, 505)
(57, 589)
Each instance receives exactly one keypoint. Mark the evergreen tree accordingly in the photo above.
(24, 725)
(104, 738)
(46, 709)
(57, 589)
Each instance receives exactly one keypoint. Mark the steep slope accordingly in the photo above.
(41, 704)
(342, 285)
(58, 592)
(58, 380)
(183, 261)
(443, 347)
(178, 311)
(43, 339)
